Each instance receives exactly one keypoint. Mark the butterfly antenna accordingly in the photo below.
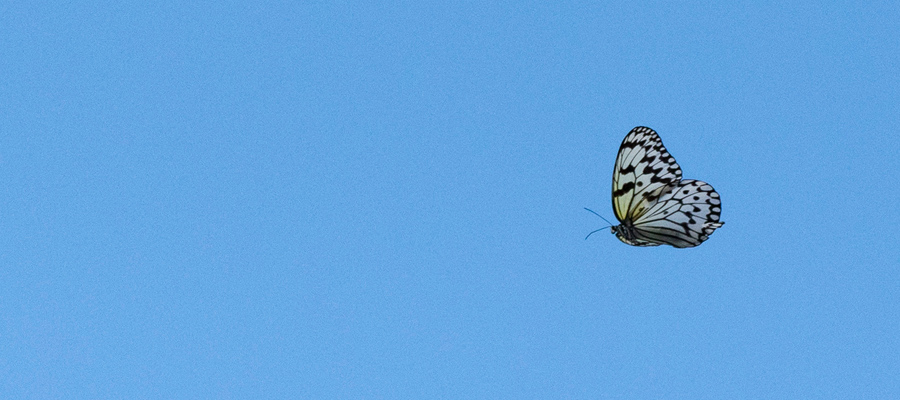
(607, 221)
(598, 230)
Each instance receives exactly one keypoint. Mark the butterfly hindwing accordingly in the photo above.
(685, 218)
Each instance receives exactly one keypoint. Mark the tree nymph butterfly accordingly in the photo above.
(653, 204)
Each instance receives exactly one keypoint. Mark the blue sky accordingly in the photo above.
(384, 200)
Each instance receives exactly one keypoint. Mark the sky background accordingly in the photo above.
(346, 199)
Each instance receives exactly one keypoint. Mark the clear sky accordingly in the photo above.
(347, 199)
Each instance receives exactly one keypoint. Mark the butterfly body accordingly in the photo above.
(625, 233)
(653, 204)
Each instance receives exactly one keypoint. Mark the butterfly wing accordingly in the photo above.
(684, 216)
(644, 172)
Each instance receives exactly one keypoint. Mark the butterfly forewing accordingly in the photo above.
(642, 173)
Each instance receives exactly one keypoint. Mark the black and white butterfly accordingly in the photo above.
(653, 204)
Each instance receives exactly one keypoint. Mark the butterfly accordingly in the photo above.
(653, 204)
